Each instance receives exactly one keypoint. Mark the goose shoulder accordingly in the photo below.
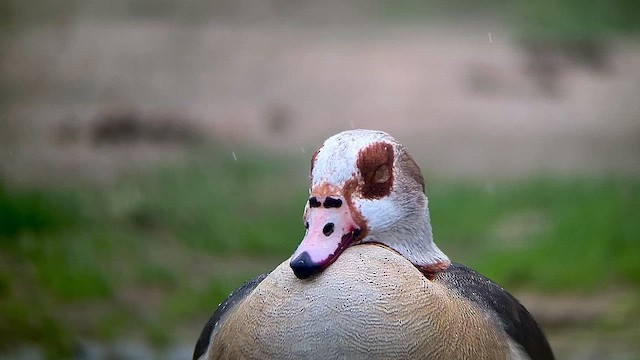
(491, 297)
(226, 307)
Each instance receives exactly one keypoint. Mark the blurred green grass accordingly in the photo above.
(164, 247)
(563, 21)
(552, 234)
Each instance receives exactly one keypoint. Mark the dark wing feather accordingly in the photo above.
(227, 305)
(517, 321)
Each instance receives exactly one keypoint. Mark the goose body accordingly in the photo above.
(375, 286)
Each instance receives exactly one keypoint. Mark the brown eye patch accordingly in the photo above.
(375, 163)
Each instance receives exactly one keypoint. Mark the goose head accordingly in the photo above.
(365, 189)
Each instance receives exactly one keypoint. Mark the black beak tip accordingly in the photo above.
(303, 267)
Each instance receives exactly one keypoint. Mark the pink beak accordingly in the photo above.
(330, 230)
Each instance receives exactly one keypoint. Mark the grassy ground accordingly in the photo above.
(164, 247)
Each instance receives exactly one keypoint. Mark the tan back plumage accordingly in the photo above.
(371, 303)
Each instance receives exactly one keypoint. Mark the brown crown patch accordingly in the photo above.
(375, 163)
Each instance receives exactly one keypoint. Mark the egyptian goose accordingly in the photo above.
(367, 280)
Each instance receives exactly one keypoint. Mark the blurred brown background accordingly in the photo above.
(461, 85)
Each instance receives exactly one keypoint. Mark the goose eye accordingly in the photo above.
(381, 175)
(374, 163)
